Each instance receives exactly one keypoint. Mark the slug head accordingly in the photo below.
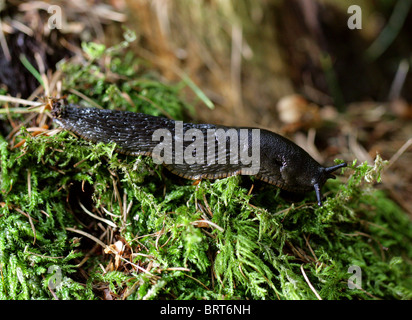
(324, 175)
(57, 109)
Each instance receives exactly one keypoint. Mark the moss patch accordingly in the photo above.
(164, 237)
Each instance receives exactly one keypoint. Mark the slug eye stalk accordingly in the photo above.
(333, 168)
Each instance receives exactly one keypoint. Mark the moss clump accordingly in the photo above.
(159, 236)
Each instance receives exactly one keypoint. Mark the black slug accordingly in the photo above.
(197, 151)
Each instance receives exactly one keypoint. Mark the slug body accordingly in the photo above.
(281, 162)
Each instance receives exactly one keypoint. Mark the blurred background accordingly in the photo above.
(336, 82)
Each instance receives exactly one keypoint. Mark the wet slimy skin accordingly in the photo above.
(281, 162)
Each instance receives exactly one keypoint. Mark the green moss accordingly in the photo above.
(213, 240)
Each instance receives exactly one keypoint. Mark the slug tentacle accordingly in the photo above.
(326, 173)
(200, 151)
(318, 194)
(334, 168)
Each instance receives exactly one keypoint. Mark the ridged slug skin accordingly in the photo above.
(282, 162)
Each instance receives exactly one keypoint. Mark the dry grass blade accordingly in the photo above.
(363, 290)
(204, 221)
(30, 221)
(20, 101)
(309, 284)
(106, 247)
(310, 248)
(84, 97)
(155, 105)
(117, 193)
(360, 153)
(109, 213)
(3, 43)
(398, 153)
(198, 281)
(110, 223)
